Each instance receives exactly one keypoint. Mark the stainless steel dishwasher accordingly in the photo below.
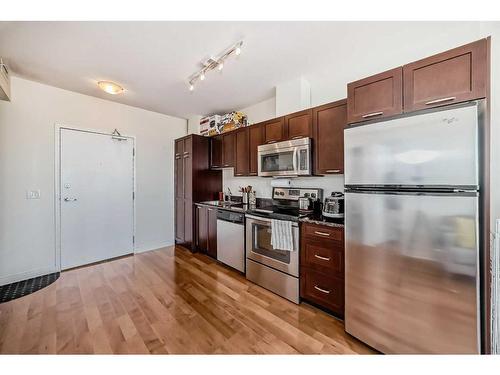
(231, 239)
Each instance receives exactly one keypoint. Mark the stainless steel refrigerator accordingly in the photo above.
(412, 232)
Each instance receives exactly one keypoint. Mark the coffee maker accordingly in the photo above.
(334, 206)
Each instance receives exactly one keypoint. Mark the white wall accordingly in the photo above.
(293, 96)
(193, 124)
(261, 111)
(27, 245)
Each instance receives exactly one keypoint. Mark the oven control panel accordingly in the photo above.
(293, 194)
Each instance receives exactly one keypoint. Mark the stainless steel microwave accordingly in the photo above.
(285, 159)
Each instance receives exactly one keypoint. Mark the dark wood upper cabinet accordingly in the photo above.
(255, 138)
(299, 124)
(216, 152)
(274, 130)
(453, 76)
(179, 168)
(187, 157)
(242, 152)
(228, 149)
(374, 97)
(329, 121)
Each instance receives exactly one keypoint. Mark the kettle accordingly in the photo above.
(334, 205)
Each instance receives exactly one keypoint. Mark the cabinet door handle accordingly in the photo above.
(186, 156)
(238, 174)
(297, 137)
(321, 290)
(186, 152)
(271, 142)
(332, 170)
(322, 233)
(372, 114)
(435, 101)
(320, 257)
(226, 165)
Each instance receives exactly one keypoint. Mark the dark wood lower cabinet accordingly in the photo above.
(323, 290)
(179, 219)
(202, 228)
(322, 266)
(206, 230)
(212, 232)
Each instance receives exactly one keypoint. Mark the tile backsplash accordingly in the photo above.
(263, 188)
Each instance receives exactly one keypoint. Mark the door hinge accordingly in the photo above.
(133, 195)
(133, 151)
(133, 240)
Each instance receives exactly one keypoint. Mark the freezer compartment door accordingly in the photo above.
(431, 149)
(412, 272)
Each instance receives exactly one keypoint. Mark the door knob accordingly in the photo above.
(70, 199)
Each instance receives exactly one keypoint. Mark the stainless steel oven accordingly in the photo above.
(276, 270)
(285, 159)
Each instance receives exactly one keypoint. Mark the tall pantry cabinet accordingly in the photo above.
(194, 182)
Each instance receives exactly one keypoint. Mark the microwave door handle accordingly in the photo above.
(295, 164)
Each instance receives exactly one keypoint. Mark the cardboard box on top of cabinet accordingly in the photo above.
(216, 124)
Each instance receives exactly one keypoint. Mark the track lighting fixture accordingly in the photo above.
(213, 63)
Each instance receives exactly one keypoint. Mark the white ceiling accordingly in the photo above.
(153, 60)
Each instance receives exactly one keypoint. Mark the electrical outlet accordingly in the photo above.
(33, 194)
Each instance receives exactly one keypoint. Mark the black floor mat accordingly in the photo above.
(22, 288)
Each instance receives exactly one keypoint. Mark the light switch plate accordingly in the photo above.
(33, 194)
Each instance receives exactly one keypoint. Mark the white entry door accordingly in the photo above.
(97, 209)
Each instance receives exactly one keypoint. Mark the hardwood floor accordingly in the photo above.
(165, 301)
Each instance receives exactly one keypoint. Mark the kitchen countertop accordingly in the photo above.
(236, 206)
(319, 220)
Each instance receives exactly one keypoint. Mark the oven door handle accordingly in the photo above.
(264, 221)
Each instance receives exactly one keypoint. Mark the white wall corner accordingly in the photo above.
(193, 124)
(293, 96)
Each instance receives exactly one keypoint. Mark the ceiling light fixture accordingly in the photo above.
(213, 63)
(110, 87)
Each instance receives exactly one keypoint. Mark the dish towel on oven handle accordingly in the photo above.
(281, 235)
